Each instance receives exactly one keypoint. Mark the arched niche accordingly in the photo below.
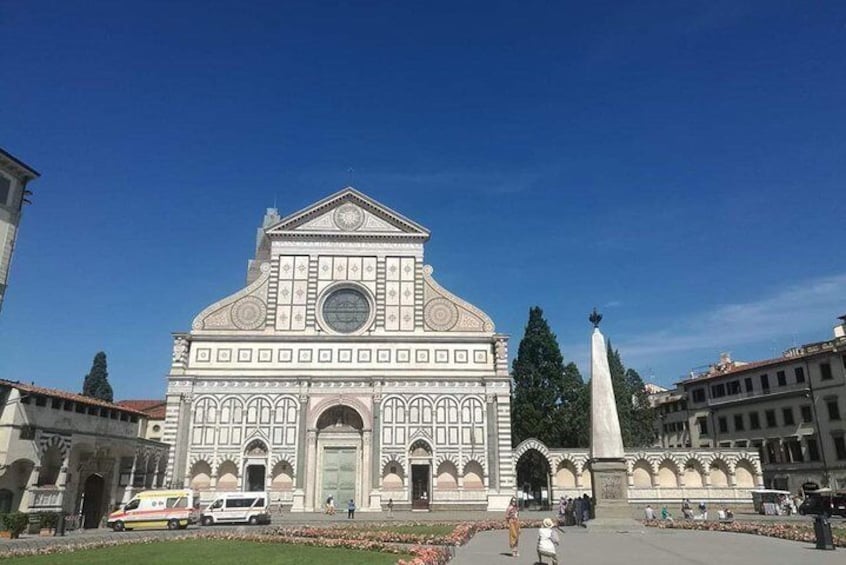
(642, 474)
(51, 466)
(719, 473)
(473, 476)
(565, 475)
(340, 418)
(393, 477)
(693, 474)
(200, 476)
(227, 476)
(587, 478)
(447, 476)
(744, 475)
(282, 477)
(668, 474)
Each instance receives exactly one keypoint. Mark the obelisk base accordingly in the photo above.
(610, 491)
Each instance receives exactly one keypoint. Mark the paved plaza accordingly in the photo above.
(651, 546)
(647, 546)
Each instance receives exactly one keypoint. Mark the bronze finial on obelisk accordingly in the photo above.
(595, 318)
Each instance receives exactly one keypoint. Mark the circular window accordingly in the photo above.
(346, 310)
(157, 428)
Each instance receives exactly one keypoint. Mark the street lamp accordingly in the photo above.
(809, 394)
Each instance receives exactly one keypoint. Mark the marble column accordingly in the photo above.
(301, 470)
(375, 469)
(493, 457)
(299, 477)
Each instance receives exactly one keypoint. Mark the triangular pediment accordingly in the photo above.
(350, 214)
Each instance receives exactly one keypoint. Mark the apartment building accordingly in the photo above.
(14, 176)
(790, 409)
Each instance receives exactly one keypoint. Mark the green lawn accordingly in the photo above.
(211, 552)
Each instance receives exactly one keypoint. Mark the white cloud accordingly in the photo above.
(808, 308)
(801, 308)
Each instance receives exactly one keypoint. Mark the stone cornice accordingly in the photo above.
(286, 227)
(280, 338)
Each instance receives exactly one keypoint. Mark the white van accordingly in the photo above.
(157, 508)
(229, 508)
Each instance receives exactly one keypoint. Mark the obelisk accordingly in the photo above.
(607, 458)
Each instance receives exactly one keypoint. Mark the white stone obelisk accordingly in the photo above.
(607, 458)
(606, 441)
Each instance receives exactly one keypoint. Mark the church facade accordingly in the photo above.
(342, 369)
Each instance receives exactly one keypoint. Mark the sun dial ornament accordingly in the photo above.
(349, 217)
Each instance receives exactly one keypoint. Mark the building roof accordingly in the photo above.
(26, 169)
(741, 368)
(154, 409)
(56, 393)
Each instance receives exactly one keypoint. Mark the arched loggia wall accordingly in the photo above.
(655, 475)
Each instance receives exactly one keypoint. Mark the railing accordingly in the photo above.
(772, 391)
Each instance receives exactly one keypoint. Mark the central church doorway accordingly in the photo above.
(339, 446)
(339, 474)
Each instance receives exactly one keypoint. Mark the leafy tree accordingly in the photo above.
(96, 383)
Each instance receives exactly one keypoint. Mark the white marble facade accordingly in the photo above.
(342, 369)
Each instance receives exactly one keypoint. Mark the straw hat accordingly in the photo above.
(547, 522)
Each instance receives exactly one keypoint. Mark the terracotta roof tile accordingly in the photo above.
(154, 409)
(740, 368)
(54, 392)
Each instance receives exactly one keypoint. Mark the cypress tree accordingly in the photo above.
(636, 416)
(96, 383)
(538, 374)
(643, 415)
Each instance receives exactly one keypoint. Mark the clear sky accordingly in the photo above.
(680, 165)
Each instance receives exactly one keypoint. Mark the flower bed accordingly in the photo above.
(363, 545)
(426, 549)
(791, 532)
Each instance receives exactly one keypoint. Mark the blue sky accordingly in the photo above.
(679, 165)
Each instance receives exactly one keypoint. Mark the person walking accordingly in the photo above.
(687, 513)
(665, 514)
(548, 542)
(351, 509)
(512, 522)
(390, 508)
(577, 511)
(587, 509)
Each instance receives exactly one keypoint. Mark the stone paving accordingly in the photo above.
(485, 548)
(648, 546)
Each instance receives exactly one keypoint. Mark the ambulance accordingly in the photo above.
(171, 509)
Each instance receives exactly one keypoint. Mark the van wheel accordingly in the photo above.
(253, 520)
(117, 526)
(208, 521)
(173, 524)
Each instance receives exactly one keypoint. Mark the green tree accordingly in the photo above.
(96, 383)
(643, 414)
(537, 374)
(573, 410)
(636, 416)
